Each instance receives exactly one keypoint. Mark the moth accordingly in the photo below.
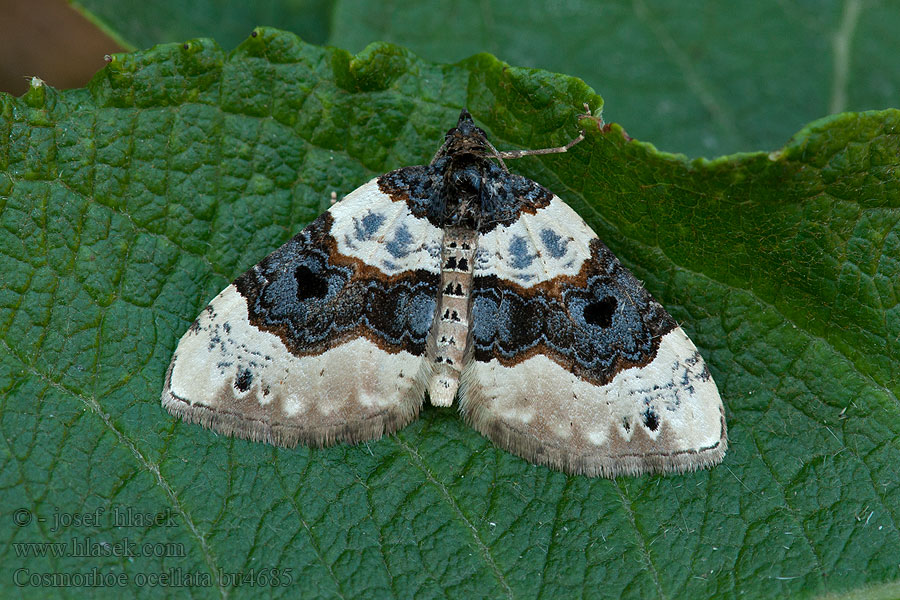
(455, 280)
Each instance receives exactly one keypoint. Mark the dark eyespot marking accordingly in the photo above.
(309, 284)
(650, 419)
(601, 312)
(243, 380)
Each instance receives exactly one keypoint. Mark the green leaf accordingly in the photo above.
(125, 206)
(141, 24)
(703, 78)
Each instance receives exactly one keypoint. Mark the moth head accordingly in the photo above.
(466, 138)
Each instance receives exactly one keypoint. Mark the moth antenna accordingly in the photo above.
(557, 150)
(497, 154)
(439, 153)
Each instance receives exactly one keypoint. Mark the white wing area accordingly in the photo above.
(245, 382)
(384, 234)
(536, 247)
(665, 416)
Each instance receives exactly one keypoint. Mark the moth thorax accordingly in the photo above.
(451, 330)
(463, 190)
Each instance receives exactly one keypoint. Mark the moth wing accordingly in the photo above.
(323, 340)
(574, 365)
